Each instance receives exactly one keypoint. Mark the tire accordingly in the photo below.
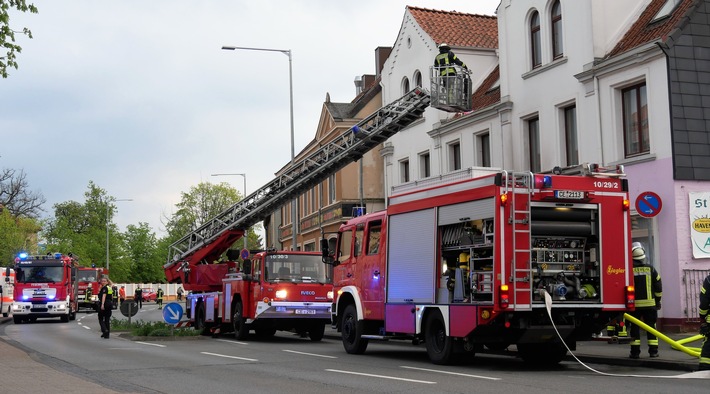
(439, 346)
(241, 330)
(200, 324)
(316, 332)
(72, 315)
(542, 354)
(64, 318)
(352, 330)
(17, 319)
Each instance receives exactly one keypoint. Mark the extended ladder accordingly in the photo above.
(301, 176)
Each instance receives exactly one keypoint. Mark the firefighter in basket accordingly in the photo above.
(444, 62)
(649, 290)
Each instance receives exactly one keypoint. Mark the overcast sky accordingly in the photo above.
(138, 97)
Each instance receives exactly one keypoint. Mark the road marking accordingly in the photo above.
(451, 373)
(309, 354)
(381, 376)
(236, 342)
(225, 356)
(150, 344)
(87, 327)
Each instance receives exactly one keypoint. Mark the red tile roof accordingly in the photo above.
(486, 94)
(643, 31)
(458, 29)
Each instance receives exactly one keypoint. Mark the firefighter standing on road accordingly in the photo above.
(179, 293)
(138, 295)
(105, 306)
(159, 298)
(121, 295)
(648, 288)
(705, 324)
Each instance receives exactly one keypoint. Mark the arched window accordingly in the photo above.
(417, 79)
(556, 18)
(535, 49)
(405, 85)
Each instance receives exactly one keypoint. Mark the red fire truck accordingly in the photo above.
(275, 290)
(88, 283)
(290, 291)
(471, 264)
(45, 286)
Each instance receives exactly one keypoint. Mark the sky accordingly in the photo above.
(139, 97)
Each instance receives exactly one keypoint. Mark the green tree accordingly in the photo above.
(7, 34)
(16, 235)
(144, 264)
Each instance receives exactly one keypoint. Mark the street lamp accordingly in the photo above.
(108, 207)
(246, 233)
(286, 52)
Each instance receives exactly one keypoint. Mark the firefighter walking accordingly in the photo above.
(648, 287)
(105, 306)
(159, 298)
(704, 307)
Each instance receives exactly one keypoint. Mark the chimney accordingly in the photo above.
(358, 88)
(381, 55)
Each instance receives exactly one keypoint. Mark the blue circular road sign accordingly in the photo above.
(172, 313)
(648, 204)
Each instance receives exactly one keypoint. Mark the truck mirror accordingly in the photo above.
(7, 274)
(246, 267)
(324, 247)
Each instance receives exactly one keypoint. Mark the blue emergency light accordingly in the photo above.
(22, 255)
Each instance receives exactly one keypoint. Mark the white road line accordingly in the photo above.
(381, 376)
(150, 344)
(451, 373)
(309, 354)
(225, 356)
(235, 342)
(87, 327)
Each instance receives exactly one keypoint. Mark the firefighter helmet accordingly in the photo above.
(444, 46)
(637, 251)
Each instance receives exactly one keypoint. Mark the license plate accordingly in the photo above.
(569, 194)
(305, 312)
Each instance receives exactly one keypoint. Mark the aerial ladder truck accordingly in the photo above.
(266, 294)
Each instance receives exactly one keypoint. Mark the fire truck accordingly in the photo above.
(7, 286)
(45, 286)
(262, 295)
(88, 284)
(495, 259)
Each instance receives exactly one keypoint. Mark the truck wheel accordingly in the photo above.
(439, 346)
(200, 324)
(542, 354)
(64, 318)
(241, 331)
(316, 332)
(352, 330)
(72, 315)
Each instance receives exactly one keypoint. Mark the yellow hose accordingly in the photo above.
(675, 344)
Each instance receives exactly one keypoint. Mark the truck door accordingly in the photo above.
(254, 286)
(373, 272)
(343, 272)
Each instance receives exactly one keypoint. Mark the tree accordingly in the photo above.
(7, 34)
(16, 235)
(16, 197)
(144, 261)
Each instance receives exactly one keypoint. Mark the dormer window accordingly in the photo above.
(666, 10)
(535, 49)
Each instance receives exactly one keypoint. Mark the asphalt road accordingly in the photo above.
(288, 363)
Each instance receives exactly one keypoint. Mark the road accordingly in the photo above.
(288, 363)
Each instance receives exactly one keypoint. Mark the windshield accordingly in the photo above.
(87, 276)
(297, 268)
(38, 274)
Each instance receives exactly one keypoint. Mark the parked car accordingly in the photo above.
(149, 295)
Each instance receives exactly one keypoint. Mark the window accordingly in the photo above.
(635, 118)
(571, 149)
(405, 85)
(314, 200)
(424, 165)
(373, 237)
(666, 10)
(359, 233)
(404, 171)
(417, 79)
(535, 49)
(454, 156)
(534, 144)
(556, 30)
(484, 150)
(346, 241)
(331, 189)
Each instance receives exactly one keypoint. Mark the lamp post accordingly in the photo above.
(244, 175)
(286, 52)
(108, 208)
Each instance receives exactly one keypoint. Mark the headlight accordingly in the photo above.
(61, 306)
(16, 307)
(330, 295)
(281, 294)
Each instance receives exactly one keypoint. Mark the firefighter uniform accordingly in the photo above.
(705, 324)
(105, 306)
(159, 298)
(649, 291)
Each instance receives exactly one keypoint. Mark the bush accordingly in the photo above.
(151, 329)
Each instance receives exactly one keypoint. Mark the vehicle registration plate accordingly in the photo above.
(569, 194)
(305, 312)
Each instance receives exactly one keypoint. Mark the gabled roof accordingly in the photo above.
(458, 29)
(488, 93)
(643, 31)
